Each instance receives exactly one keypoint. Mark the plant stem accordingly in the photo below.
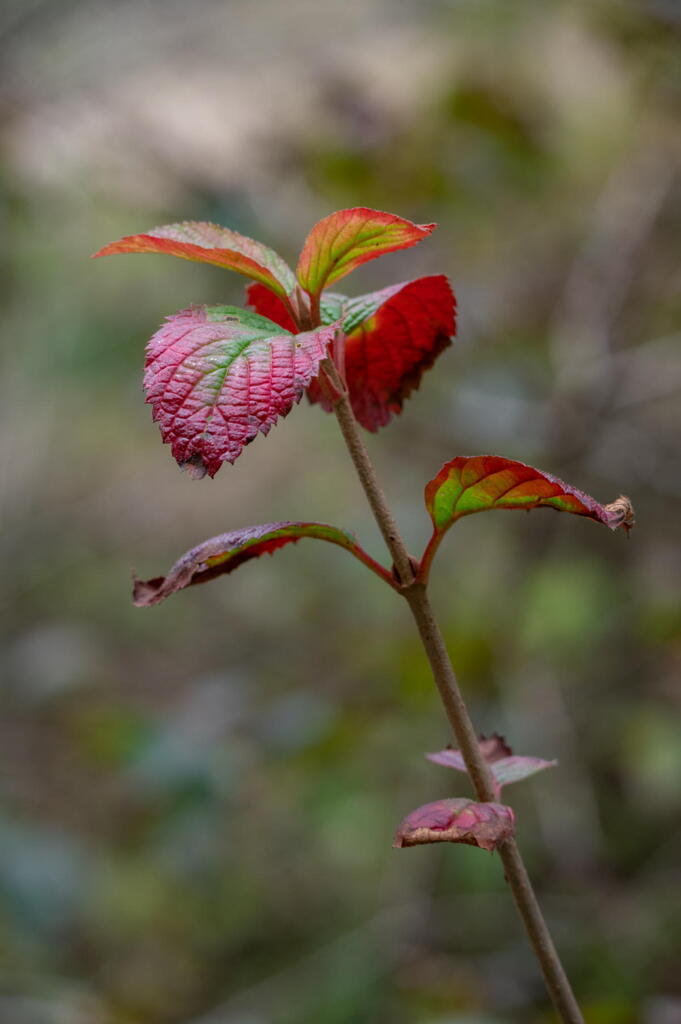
(514, 868)
(416, 595)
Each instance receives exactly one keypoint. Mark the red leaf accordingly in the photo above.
(505, 767)
(392, 337)
(223, 554)
(477, 483)
(266, 303)
(216, 375)
(457, 821)
(387, 353)
(210, 243)
(346, 239)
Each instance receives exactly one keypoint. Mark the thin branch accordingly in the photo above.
(416, 595)
(404, 564)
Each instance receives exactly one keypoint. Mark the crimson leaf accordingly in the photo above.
(471, 484)
(505, 767)
(457, 821)
(346, 239)
(266, 303)
(392, 337)
(216, 375)
(223, 554)
(210, 243)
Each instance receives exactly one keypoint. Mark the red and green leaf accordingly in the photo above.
(457, 821)
(221, 555)
(340, 243)
(216, 375)
(478, 483)
(209, 243)
(505, 767)
(391, 338)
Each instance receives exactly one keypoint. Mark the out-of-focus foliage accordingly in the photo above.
(198, 800)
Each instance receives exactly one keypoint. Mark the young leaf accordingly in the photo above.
(457, 821)
(392, 337)
(477, 483)
(210, 243)
(223, 554)
(505, 767)
(346, 239)
(216, 375)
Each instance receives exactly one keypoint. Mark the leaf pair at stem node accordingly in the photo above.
(462, 487)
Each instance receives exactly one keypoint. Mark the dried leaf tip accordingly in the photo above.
(194, 467)
(493, 748)
(621, 513)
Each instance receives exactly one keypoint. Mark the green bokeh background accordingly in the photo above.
(198, 800)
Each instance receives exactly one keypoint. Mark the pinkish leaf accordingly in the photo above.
(223, 554)
(515, 769)
(505, 767)
(470, 484)
(346, 239)
(457, 821)
(210, 243)
(448, 758)
(216, 375)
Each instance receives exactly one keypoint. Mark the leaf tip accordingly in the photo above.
(621, 513)
(195, 467)
(146, 593)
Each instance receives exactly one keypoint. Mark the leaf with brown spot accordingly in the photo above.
(457, 821)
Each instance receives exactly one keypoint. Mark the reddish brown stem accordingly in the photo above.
(428, 555)
(375, 567)
(415, 593)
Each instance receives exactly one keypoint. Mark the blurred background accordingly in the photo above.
(198, 800)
